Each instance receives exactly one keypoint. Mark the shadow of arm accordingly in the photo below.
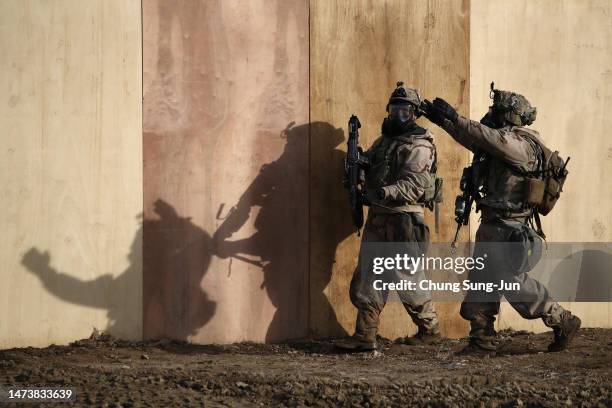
(66, 287)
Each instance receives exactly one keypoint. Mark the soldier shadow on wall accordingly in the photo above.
(177, 254)
(280, 245)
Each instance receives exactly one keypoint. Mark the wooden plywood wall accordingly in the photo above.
(247, 232)
(226, 169)
(561, 62)
(358, 50)
(70, 170)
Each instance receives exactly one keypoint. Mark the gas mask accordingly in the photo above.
(402, 112)
(400, 120)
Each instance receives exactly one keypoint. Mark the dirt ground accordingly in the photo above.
(109, 372)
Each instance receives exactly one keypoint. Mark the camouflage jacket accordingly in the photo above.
(401, 165)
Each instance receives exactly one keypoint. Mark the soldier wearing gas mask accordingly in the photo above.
(400, 181)
(507, 158)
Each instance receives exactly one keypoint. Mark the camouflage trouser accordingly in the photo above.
(531, 301)
(398, 228)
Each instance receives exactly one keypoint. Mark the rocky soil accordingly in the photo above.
(109, 372)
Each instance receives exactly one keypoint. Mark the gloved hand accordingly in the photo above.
(438, 110)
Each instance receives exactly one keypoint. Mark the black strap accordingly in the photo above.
(434, 165)
(539, 231)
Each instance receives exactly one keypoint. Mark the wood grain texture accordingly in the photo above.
(70, 170)
(359, 49)
(226, 169)
(561, 62)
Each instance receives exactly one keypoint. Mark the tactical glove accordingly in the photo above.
(440, 110)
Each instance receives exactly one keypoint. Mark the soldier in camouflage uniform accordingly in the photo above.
(509, 152)
(399, 180)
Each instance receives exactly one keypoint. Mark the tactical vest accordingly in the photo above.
(503, 187)
(384, 168)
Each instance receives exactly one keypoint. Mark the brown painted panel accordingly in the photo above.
(359, 49)
(225, 169)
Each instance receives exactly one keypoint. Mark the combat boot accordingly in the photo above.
(480, 346)
(564, 331)
(423, 337)
(356, 343)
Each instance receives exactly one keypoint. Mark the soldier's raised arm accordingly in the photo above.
(473, 135)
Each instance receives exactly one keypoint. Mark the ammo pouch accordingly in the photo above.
(544, 186)
(534, 191)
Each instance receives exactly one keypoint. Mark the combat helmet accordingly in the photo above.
(402, 95)
(515, 107)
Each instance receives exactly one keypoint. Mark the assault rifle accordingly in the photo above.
(354, 165)
(470, 192)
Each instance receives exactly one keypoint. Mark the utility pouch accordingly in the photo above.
(552, 192)
(552, 173)
(534, 191)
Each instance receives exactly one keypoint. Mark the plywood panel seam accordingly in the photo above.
(308, 272)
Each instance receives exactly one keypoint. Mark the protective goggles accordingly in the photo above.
(403, 112)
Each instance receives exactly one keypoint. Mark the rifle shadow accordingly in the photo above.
(280, 246)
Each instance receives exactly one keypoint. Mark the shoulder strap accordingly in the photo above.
(434, 165)
(539, 230)
(541, 155)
